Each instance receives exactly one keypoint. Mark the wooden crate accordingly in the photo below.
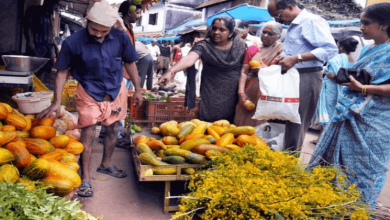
(141, 169)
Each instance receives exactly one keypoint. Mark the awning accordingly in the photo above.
(188, 26)
(244, 12)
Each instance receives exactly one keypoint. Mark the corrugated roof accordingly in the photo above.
(209, 3)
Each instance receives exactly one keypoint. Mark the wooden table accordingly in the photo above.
(141, 169)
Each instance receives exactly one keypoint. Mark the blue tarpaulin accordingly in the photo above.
(186, 26)
(244, 12)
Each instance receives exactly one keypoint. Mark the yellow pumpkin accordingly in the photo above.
(43, 131)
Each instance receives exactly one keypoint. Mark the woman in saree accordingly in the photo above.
(357, 139)
(330, 89)
(222, 54)
(248, 86)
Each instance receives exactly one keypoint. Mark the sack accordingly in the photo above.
(360, 75)
(279, 95)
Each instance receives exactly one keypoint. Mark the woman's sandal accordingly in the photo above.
(85, 190)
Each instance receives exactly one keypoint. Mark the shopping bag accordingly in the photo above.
(279, 95)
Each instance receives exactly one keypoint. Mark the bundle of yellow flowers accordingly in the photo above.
(259, 183)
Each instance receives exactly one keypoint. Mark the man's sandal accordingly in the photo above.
(85, 190)
(112, 171)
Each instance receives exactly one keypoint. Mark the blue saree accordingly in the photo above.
(330, 90)
(357, 140)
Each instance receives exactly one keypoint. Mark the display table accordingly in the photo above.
(141, 169)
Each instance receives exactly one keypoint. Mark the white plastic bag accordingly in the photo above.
(279, 95)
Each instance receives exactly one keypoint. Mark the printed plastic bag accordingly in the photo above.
(279, 95)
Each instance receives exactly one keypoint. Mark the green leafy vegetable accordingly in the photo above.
(19, 203)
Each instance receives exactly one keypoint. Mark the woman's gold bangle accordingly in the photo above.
(364, 90)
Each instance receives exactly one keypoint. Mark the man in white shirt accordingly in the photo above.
(242, 30)
(155, 53)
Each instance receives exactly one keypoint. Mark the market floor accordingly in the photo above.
(129, 199)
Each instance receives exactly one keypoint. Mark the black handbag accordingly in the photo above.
(360, 75)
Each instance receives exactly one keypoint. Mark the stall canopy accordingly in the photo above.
(186, 27)
(244, 12)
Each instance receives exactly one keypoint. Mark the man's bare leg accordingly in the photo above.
(109, 146)
(87, 137)
(109, 143)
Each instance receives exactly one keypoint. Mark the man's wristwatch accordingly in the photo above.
(300, 59)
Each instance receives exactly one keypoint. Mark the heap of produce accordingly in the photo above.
(23, 202)
(33, 150)
(191, 142)
(257, 182)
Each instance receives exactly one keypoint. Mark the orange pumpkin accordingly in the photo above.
(33, 158)
(141, 139)
(59, 141)
(37, 169)
(9, 108)
(49, 121)
(6, 156)
(9, 128)
(21, 154)
(3, 111)
(22, 134)
(60, 170)
(29, 123)
(58, 186)
(38, 146)
(9, 173)
(7, 136)
(72, 165)
(30, 185)
(68, 157)
(16, 120)
(74, 147)
(54, 155)
(43, 131)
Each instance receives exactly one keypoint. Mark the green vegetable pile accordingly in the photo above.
(19, 203)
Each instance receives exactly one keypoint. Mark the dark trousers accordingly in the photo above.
(309, 90)
(145, 71)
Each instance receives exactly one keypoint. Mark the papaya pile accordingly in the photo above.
(34, 150)
(191, 142)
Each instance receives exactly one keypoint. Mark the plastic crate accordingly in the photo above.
(136, 113)
(166, 111)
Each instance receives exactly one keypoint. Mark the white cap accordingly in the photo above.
(103, 13)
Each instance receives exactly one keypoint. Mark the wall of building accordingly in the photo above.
(145, 26)
(260, 3)
(10, 25)
(216, 8)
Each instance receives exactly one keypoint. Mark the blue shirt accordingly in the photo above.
(310, 33)
(97, 66)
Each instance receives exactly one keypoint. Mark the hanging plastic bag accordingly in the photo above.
(279, 95)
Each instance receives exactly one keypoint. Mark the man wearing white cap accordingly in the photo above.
(94, 56)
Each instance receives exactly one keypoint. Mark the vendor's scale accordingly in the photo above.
(12, 79)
